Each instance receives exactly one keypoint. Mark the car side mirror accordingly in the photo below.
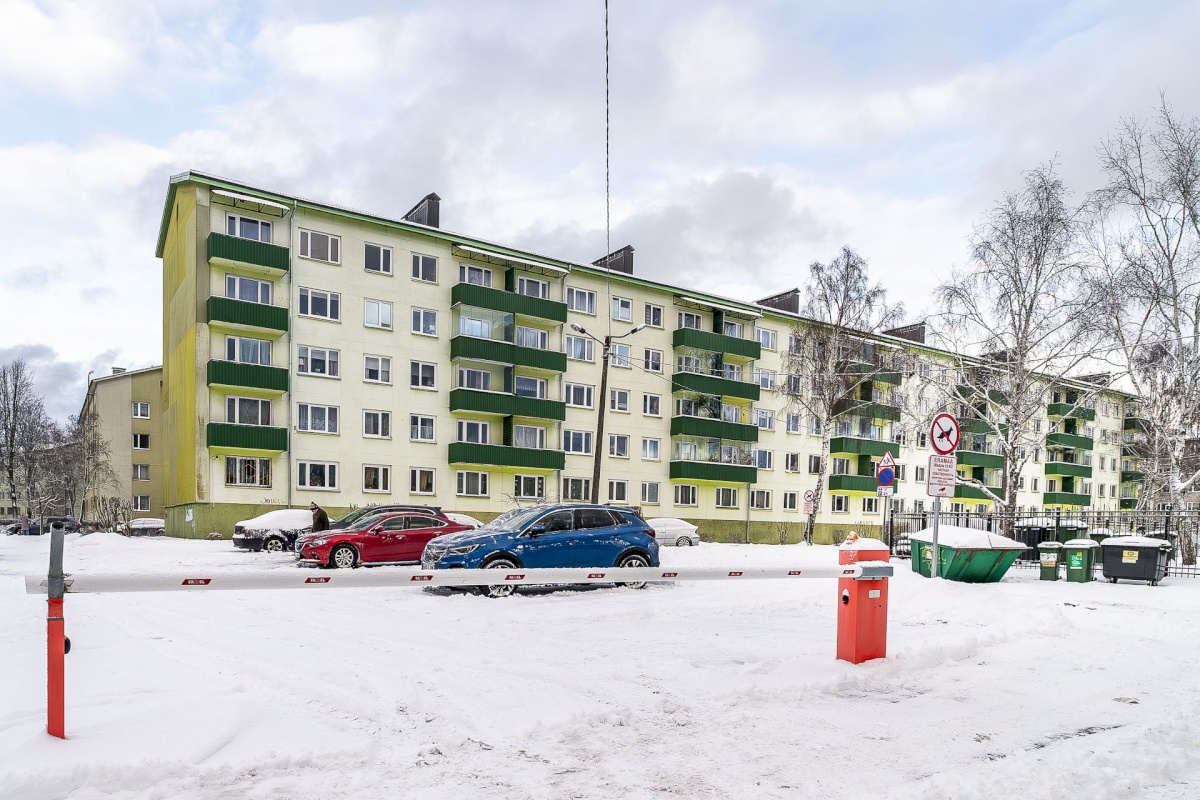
(536, 530)
(377, 529)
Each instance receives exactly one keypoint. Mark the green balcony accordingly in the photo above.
(247, 376)
(713, 429)
(716, 343)
(1136, 424)
(494, 455)
(981, 426)
(507, 353)
(508, 405)
(1070, 410)
(1128, 503)
(706, 471)
(863, 447)
(712, 385)
(246, 437)
(1065, 499)
(853, 483)
(889, 377)
(470, 294)
(969, 458)
(964, 492)
(242, 314)
(1063, 468)
(247, 252)
(1131, 476)
(865, 409)
(1133, 450)
(1068, 440)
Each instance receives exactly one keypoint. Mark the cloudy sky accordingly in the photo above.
(748, 138)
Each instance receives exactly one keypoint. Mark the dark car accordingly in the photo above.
(396, 538)
(362, 515)
(556, 535)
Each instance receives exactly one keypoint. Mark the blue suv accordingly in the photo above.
(556, 535)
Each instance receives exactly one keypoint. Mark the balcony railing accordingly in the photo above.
(1068, 468)
(1068, 440)
(713, 385)
(495, 455)
(709, 471)
(866, 409)
(245, 314)
(508, 405)
(973, 458)
(246, 437)
(853, 483)
(1066, 499)
(966, 492)
(1070, 410)
(710, 428)
(859, 446)
(247, 252)
(250, 376)
(507, 353)
(471, 294)
(716, 343)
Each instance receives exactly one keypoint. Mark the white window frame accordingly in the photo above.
(237, 410)
(619, 356)
(140, 405)
(688, 317)
(539, 383)
(766, 337)
(767, 456)
(259, 463)
(654, 445)
(233, 283)
(384, 478)
(653, 360)
(650, 314)
(383, 309)
(686, 495)
(481, 428)
(420, 321)
(138, 438)
(521, 432)
(419, 263)
(839, 503)
(383, 366)
(870, 505)
(414, 480)
(646, 399)
(385, 259)
(333, 304)
(333, 359)
(523, 334)
(520, 485)
(525, 282)
(577, 297)
(615, 441)
(584, 438)
(141, 472)
(589, 354)
(651, 488)
(141, 502)
(760, 499)
(577, 489)
(383, 420)
(473, 375)
(618, 401)
(725, 497)
(420, 385)
(261, 346)
(465, 271)
(331, 467)
(333, 246)
(419, 419)
(765, 378)
(462, 483)
(304, 418)
(622, 309)
(618, 491)
(814, 464)
(236, 219)
(791, 501)
(589, 393)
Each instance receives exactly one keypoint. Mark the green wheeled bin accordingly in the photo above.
(1080, 555)
(1050, 554)
(965, 554)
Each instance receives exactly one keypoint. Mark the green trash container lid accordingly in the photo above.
(1075, 544)
(1050, 546)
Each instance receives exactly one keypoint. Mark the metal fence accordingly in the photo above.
(1031, 528)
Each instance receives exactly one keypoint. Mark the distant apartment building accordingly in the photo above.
(125, 409)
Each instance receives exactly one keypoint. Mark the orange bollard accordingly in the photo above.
(862, 604)
(55, 670)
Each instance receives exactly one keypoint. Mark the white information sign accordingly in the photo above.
(941, 476)
(885, 491)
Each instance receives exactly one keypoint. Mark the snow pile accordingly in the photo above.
(284, 519)
(1048, 522)
(147, 522)
(967, 539)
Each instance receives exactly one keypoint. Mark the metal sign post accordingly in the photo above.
(941, 474)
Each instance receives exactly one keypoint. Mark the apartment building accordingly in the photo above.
(314, 353)
(125, 410)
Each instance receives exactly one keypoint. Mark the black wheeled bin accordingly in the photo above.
(1135, 558)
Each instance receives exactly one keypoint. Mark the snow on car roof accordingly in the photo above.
(283, 518)
(671, 524)
(967, 538)
(464, 519)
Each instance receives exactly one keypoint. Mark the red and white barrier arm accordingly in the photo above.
(81, 583)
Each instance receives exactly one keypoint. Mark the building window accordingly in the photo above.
(377, 258)
(319, 304)
(320, 246)
(578, 395)
(480, 276)
(791, 462)
(922, 440)
(377, 314)
(317, 419)
(654, 360)
(473, 431)
(247, 411)
(764, 419)
(422, 375)
(789, 501)
(317, 475)
(650, 493)
(618, 400)
(792, 424)
(870, 505)
(618, 491)
(377, 369)
(420, 428)
(478, 379)
(248, 228)
(766, 338)
(841, 466)
(529, 487)
(765, 378)
(618, 445)
(141, 472)
(734, 329)
(141, 441)
(764, 459)
(814, 465)
(247, 351)
(530, 437)
(760, 499)
(620, 356)
(420, 480)
(141, 502)
(240, 471)
(689, 320)
(377, 424)
(918, 474)
(250, 290)
(841, 503)
(424, 321)
(577, 442)
(525, 386)
(577, 489)
(377, 478)
(622, 309)
(317, 361)
(581, 300)
(652, 405)
(472, 484)
(424, 268)
(727, 497)
(579, 348)
(654, 318)
(651, 449)
(141, 410)
(532, 337)
(814, 426)
(475, 327)
(685, 495)
(532, 287)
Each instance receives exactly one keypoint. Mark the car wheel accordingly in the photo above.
(683, 541)
(343, 557)
(273, 545)
(634, 560)
(499, 590)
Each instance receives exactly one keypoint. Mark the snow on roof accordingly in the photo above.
(1134, 541)
(1048, 522)
(281, 519)
(1081, 543)
(967, 539)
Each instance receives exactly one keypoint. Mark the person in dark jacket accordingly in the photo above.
(320, 518)
(25, 525)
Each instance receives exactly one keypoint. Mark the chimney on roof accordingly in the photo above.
(619, 261)
(914, 332)
(118, 370)
(426, 212)
(784, 301)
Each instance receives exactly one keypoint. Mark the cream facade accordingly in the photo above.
(317, 354)
(126, 410)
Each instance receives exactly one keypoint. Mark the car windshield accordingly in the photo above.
(514, 520)
(357, 514)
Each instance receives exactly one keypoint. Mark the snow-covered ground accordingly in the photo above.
(705, 690)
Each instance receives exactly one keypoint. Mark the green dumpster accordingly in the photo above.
(1080, 555)
(1050, 554)
(965, 554)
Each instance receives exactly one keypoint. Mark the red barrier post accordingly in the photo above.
(55, 670)
(862, 604)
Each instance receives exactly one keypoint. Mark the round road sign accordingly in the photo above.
(944, 433)
(886, 477)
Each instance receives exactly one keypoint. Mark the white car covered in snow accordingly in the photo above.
(670, 531)
(274, 531)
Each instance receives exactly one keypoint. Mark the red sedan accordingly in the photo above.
(393, 539)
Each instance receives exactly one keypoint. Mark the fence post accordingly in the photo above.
(55, 639)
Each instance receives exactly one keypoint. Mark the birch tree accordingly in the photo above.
(23, 431)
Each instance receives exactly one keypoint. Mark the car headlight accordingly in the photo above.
(462, 551)
(317, 542)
